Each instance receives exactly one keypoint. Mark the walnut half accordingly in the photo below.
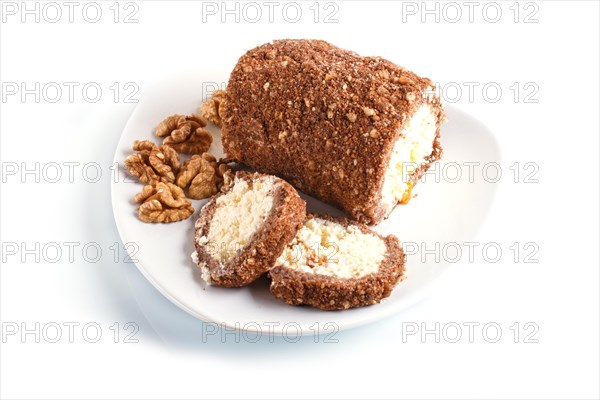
(203, 174)
(153, 163)
(185, 133)
(163, 202)
(212, 109)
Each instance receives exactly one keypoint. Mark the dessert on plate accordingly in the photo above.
(336, 264)
(241, 231)
(356, 132)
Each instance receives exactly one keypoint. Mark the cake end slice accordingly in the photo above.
(337, 264)
(241, 232)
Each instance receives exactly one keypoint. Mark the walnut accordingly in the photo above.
(148, 193)
(225, 172)
(203, 175)
(212, 109)
(205, 183)
(152, 163)
(163, 202)
(185, 133)
(165, 161)
(143, 146)
(137, 166)
(198, 142)
(175, 122)
(192, 167)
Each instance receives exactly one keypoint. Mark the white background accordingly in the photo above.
(559, 294)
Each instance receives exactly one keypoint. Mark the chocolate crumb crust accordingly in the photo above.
(265, 245)
(331, 293)
(323, 118)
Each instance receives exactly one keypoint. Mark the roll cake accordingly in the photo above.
(336, 264)
(241, 231)
(356, 132)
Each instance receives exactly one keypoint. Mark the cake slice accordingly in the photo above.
(241, 231)
(336, 264)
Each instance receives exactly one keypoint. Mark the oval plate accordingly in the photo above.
(443, 212)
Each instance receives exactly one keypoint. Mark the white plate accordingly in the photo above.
(443, 212)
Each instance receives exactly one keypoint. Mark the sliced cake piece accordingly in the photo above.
(336, 264)
(241, 232)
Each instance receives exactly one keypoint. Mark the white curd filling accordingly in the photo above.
(409, 152)
(328, 248)
(238, 215)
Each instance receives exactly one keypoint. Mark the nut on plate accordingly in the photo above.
(153, 163)
(137, 165)
(224, 171)
(163, 202)
(212, 109)
(185, 133)
(204, 175)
